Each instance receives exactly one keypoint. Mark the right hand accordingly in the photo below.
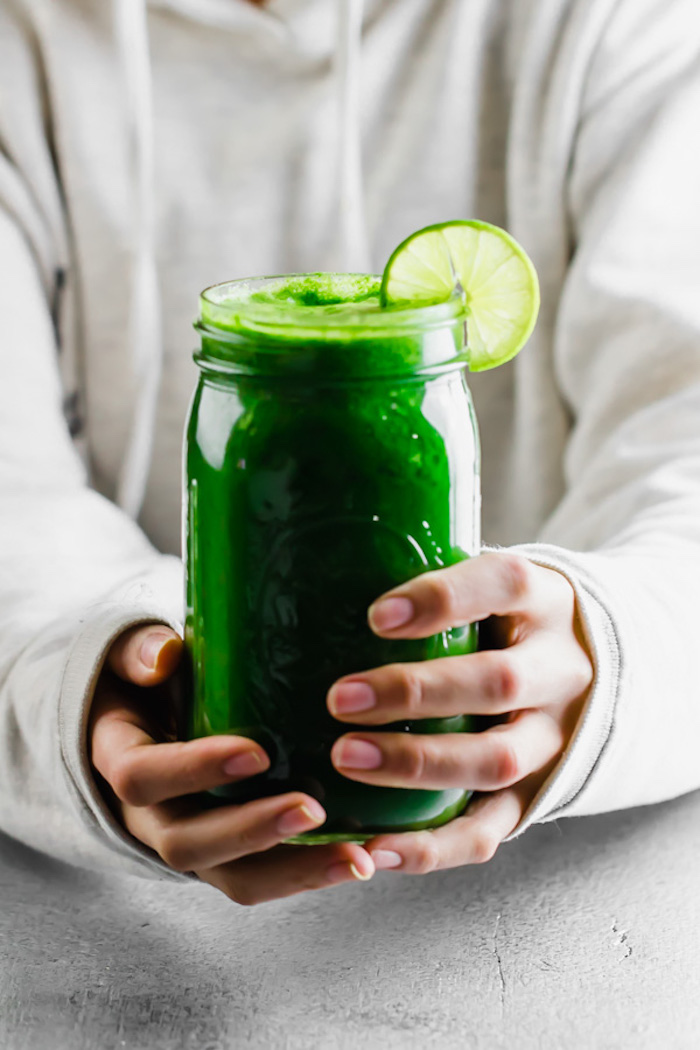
(236, 848)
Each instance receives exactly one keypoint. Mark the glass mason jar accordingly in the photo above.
(332, 454)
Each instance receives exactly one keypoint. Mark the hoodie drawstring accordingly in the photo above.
(144, 321)
(353, 246)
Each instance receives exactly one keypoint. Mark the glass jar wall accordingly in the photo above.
(332, 454)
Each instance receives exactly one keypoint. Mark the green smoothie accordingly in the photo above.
(332, 453)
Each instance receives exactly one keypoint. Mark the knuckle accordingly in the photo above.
(409, 689)
(510, 684)
(503, 679)
(517, 575)
(426, 856)
(441, 595)
(504, 763)
(413, 760)
(484, 845)
(174, 850)
(245, 895)
(125, 781)
(583, 674)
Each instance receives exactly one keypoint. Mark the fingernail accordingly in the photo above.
(150, 649)
(301, 818)
(358, 754)
(388, 613)
(386, 858)
(340, 873)
(352, 696)
(246, 764)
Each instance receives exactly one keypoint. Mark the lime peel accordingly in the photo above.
(485, 265)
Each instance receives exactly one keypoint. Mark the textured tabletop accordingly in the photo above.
(582, 935)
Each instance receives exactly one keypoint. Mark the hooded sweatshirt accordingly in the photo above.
(148, 150)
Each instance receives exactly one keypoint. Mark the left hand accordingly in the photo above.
(536, 676)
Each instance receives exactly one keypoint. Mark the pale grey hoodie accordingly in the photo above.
(148, 152)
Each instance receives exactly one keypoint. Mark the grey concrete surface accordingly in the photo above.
(583, 935)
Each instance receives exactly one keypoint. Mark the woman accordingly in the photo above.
(150, 149)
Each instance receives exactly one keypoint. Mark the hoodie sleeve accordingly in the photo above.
(627, 356)
(74, 573)
(74, 570)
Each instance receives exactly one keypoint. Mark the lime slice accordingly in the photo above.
(484, 264)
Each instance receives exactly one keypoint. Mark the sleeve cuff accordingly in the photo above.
(564, 787)
(84, 664)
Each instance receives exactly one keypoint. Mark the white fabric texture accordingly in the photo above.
(570, 122)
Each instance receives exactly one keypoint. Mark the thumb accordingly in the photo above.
(145, 655)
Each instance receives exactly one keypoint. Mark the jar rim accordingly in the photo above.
(222, 312)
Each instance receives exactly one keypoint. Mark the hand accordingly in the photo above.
(235, 847)
(536, 673)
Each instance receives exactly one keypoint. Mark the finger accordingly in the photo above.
(145, 655)
(531, 673)
(490, 584)
(143, 773)
(192, 841)
(288, 870)
(470, 839)
(487, 761)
